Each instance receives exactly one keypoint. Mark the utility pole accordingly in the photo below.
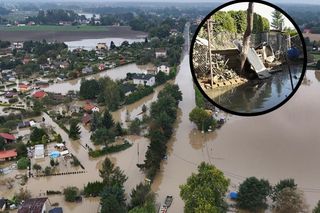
(209, 47)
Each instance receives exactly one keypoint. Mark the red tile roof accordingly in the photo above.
(7, 136)
(39, 94)
(33, 205)
(88, 107)
(8, 154)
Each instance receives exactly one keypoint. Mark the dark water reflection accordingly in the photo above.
(258, 96)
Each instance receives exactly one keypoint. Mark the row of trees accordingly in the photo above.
(111, 191)
(163, 114)
(54, 16)
(206, 191)
(236, 22)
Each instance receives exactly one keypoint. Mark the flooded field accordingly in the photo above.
(115, 73)
(258, 96)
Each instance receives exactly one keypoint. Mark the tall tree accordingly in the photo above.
(111, 174)
(286, 183)
(107, 120)
(290, 200)
(74, 131)
(113, 200)
(277, 20)
(253, 194)
(246, 37)
(205, 191)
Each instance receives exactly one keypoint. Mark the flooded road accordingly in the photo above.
(258, 96)
(115, 73)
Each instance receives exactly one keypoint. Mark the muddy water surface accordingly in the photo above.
(114, 74)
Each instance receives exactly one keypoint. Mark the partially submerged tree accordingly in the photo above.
(253, 194)
(290, 200)
(205, 191)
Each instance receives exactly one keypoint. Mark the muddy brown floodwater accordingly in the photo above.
(114, 73)
(281, 144)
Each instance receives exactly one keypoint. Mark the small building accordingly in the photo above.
(86, 119)
(35, 205)
(173, 32)
(88, 107)
(24, 87)
(127, 89)
(10, 94)
(64, 65)
(39, 94)
(163, 68)
(102, 46)
(143, 79)
(87, 70)
(161, 53)
(39, 151)
(8, 155)
(8, 138)
(24, 124)
(17, 45)
(101, 67)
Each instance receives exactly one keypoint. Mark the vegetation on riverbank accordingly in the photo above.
(163, 114)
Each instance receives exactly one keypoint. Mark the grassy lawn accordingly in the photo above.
(54, 28)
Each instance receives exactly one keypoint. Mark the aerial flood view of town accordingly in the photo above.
(100, 111)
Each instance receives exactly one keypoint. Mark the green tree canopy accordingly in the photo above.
(253, 194)
(74, 131)
(202, 119)
(205, 191)
(286, 183)
(71, 193)
(89, 89)
(277, 20)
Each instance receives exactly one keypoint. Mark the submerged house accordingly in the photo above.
(163, 68)
(144, 79)
(35, 205)
(161, 53)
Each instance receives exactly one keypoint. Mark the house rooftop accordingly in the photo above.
(7, 136)
(142, 76)
(8, 154)
(33, 205)
(39, 94)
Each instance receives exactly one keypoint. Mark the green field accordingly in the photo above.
(55, 28)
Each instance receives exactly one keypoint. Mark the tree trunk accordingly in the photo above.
(246, 38)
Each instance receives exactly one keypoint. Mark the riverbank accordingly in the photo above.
(61, 34)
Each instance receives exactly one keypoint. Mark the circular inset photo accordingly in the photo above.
(248, 58)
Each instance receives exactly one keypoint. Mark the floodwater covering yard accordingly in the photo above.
(258, 95)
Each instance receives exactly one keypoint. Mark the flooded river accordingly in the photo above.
(281, 144)
(278, 145)
(115, 73)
